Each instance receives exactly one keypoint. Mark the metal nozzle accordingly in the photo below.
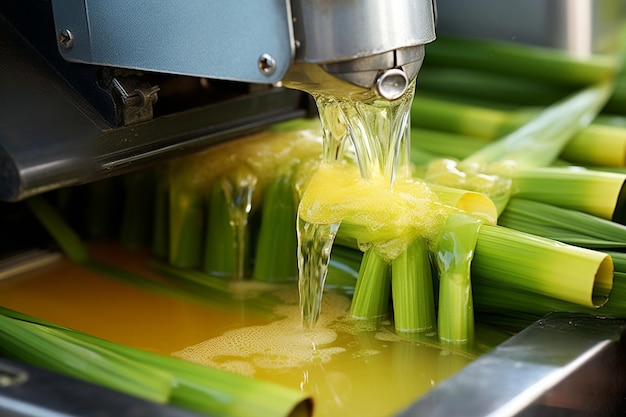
(356, 46)
(392, 84)
(389, 73)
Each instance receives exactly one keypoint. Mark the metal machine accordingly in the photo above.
(91, 89)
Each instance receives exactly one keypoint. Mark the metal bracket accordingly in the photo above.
(137, 98)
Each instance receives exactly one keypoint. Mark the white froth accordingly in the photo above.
(277, 345)
(385, 335)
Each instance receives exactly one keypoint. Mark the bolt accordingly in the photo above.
(66, 39)
(267, 65)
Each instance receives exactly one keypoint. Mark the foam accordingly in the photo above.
(277, 345)
(387, 218)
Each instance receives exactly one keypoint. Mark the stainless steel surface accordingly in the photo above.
(574, 365)
(347, 45)
(335, 31)
(581, 27)
(213, 39)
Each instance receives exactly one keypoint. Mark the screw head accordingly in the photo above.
(267, 65)
(66, 39)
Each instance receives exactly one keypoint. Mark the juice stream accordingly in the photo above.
(378, 129)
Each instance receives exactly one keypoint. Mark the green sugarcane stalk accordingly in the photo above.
(534, 62)
(412, 290)
(219, 250)
(531, 263)
(277, 243)
(454, 251)
(188, 385)
(590, 191)
(540, 141)
(69, 241)
(371, 294)
(61, 352)
(139, 196)
(160, 226)
(568, 226)
(499, 89)
(186, 223)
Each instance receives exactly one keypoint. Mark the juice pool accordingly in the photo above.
(349, 368)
